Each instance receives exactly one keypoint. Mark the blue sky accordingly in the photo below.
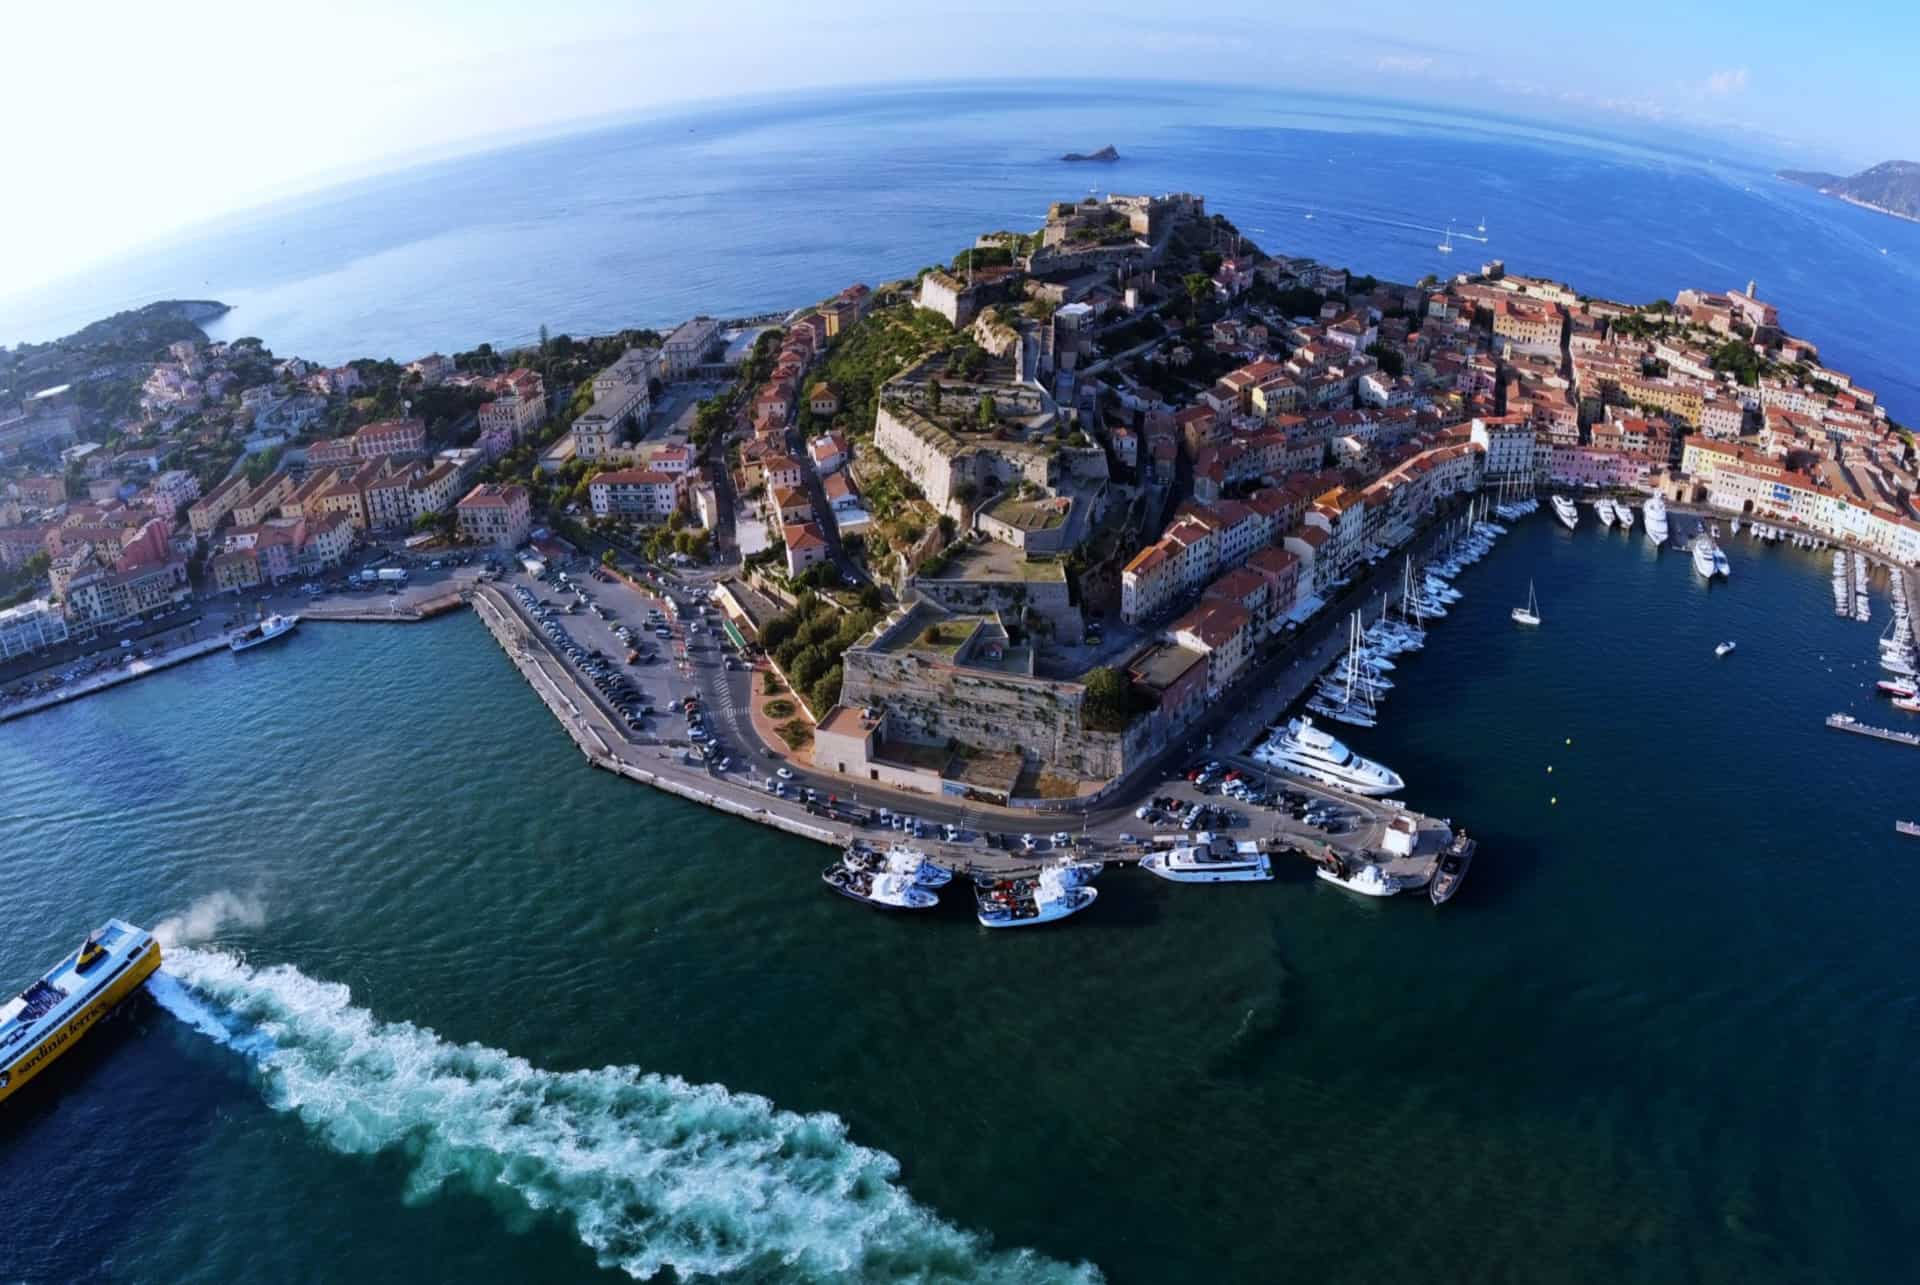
(157, 116)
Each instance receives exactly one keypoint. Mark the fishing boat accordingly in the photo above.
(1369, 880)
(50, 1017)
(1564, 510)
(883, 891)
(900, 861)
(263, 631)
(1529, 614)
(1452, 871)
(1025, 903)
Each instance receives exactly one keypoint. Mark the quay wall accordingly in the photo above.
(101, 682)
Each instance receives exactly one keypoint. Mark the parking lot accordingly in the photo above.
(660, 665)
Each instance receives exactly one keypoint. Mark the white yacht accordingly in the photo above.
(1305, 750)
(1529, 614)
(1209, 861)
(1604, 507)
(1708, 561)
(263, 631)
(1564, 510)
(1024, 903)
(1369, 880)
(1655, 513)
(1623, 511)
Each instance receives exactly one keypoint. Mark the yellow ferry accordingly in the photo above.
(49, 1017)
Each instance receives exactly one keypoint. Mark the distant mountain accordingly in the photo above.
(1891, 187)
(1106, 153)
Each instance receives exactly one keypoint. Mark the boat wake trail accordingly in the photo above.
(653, 1173)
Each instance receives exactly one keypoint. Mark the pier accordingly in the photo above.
(176, 655)
(1848, 723)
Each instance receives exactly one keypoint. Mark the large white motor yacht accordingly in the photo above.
(1564, 510)
(1209, 861)
(1305, 750)
(1654, 512)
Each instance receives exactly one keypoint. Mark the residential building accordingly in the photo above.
(686, 348)
(207, 513)
(32, 626)
(518, 406)
(1221, 630)
(391, 437)
(806, 545)
(640, 493)
(496, 514)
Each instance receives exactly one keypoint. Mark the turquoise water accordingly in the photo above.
(477, 1011)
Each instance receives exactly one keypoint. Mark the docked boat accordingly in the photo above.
(1604, 508)
(1210, 860)
(1564, 510)
(1452, 871)
(1529, 614)
(1369, 880)
(1908, 828)
(1026, 903)
(263, 631)
(1723, 648)
(1624, 512)
(898, 860)
(49, 1017)
(1655, 514)
(1708, 560)
(1905, 688)
(1907, 704)
(884, 891)
(1304, 750)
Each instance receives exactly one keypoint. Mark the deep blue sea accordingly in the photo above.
(447, 1005)
(763, 206)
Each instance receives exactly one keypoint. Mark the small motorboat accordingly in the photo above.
(1723, 648)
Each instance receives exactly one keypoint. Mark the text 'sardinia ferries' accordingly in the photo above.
(49, 1017)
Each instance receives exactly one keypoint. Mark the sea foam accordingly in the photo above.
(652, 1172)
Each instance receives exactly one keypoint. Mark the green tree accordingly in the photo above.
(1109, 700)
(1199, 287)
(824, 694)
(933, 396)
(988, 414)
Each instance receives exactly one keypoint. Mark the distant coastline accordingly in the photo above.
(1891, 187)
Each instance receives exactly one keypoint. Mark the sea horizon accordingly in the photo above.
(641, 222)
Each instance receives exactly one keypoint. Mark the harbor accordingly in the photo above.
(1848, 723)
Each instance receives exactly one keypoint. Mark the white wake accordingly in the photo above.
(652, 1172)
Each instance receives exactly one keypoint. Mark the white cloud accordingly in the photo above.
(1415, 63)
(1722, 83)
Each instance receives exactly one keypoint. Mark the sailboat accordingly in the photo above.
(1482, 229)
(1529, 614)
(1446, 242)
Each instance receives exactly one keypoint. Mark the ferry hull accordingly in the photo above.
(52, 1045)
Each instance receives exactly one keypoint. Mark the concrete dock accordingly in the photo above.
(126, 673)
